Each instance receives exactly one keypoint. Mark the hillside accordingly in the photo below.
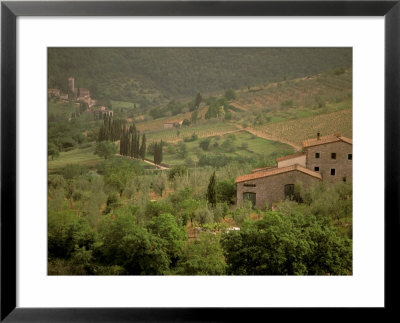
(149, 76)
(296, 131)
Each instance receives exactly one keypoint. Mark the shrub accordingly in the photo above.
(205, 144)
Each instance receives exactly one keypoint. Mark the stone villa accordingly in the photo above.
(74, 94)
(327, 158)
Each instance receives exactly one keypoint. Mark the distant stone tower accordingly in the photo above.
(71, 89)
(71, 84)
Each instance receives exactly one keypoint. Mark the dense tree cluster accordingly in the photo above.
(111, 130)
(167, 69)
(299, 244)
(103, 223)
(130, 143)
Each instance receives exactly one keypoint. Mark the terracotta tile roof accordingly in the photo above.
(276, 171)
(349, 141)
(291, 156)
(260, 169)
(325, 140)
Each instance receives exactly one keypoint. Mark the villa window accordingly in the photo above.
(333, 155)
(333, 172)
(250, 196)
(316, 155)
(316, 168)
(289, 191)
(350, 156)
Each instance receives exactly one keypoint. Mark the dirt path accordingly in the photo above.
(146, 161)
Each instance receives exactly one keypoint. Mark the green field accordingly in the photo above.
(83, 157)
(243, 145)
(206, 129)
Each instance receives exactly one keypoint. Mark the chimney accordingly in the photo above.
(318, 135)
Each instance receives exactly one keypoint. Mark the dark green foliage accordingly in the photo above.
(142, 152)
(52, 150)
(205, 144)
(112, 203)
(67, 142)
(111, 129)
(177, 171)
(155, 209)
(66, 232)
(202, 256)
(117, 172)
(174, 236)
(228, 145)
(158, 153)
(197, 100)
(230, 95)
(105, 149)
(226, 191)
(215, 69)
(299, 244)
(131, 246)
(130, 142)
(211, 192)
(186, 122)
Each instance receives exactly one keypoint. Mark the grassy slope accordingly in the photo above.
(256, 149)
(84, 157)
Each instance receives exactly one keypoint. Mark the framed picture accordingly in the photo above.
(329, 58)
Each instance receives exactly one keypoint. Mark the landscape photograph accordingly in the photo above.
(200, 161)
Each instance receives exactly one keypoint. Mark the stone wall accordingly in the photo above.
(299, 160)
(342, 165)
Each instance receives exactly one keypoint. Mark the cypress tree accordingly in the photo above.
(211, 193)
(143, 147)
(137, 148)
(160, 155)
(155, 153)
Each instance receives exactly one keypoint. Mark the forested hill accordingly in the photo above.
(122, 73)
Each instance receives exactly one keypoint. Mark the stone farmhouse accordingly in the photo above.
(170, 125)
(327, 158)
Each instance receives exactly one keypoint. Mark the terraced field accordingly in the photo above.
(158, 124)
(296, 131)
(201, 130)
(301, 92)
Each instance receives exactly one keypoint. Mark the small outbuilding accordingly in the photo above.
(273, 185)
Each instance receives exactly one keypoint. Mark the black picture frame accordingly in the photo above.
(10, 10)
